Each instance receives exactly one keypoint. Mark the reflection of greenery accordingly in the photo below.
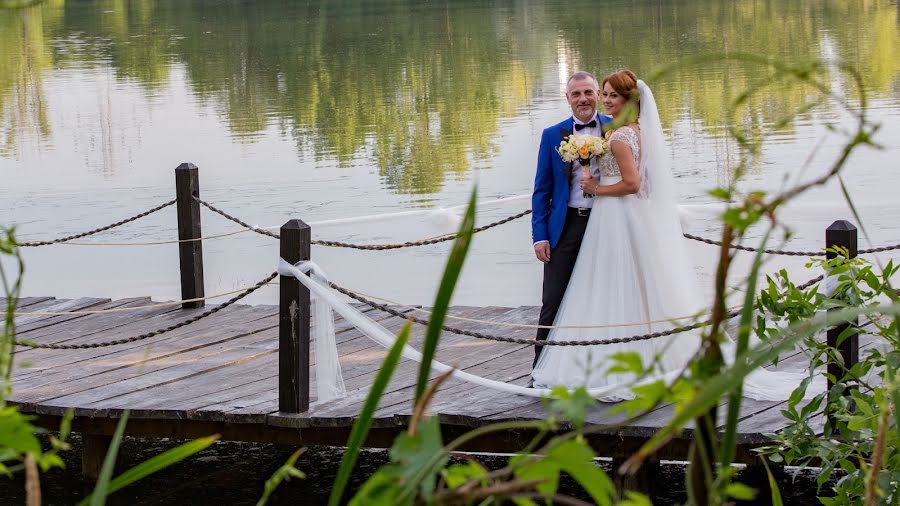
(422, 87)
(24, 59)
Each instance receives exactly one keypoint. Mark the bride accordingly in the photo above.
(633, 265)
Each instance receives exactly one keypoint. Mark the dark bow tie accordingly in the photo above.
(590, 124)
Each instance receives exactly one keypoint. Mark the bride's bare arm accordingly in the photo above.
(631, 180)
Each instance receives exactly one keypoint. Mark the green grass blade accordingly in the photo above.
(101, 490)
(285, 472)
(773, 486)
(445, 292)
(364, 421)
(157, 463)
(729, 439)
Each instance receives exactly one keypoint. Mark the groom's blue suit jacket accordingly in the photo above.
(551, 184)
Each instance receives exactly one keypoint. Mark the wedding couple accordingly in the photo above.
(615, 261)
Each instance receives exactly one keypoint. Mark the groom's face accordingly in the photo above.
(582, 97)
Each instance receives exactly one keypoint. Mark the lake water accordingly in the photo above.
(322, 110)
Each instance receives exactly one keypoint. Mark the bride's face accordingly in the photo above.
(613, 103)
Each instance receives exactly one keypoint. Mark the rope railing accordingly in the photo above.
(147, 335)
(880, 249)
(449, 237)
(376, 247)
(372, 247)
(62, 240)
(532, 342)
(127, 309)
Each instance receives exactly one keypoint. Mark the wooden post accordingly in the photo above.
(190, 254)
(93, 453)
(293, 324)
(842, 233)
(644, 480)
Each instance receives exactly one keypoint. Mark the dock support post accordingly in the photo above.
(93, 451)
(842, 233)
(293, 323)
(190, 254)
(644, 479)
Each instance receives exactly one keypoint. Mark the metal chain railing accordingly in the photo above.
(97, 230)
(533, 342)
(248, 291)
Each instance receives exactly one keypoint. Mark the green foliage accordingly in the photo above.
(284, 473)
(575, 458)
(843, 430)
(413, 471)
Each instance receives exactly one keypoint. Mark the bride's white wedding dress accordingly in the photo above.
(633, 267)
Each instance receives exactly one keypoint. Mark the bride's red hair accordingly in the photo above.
(625, 84)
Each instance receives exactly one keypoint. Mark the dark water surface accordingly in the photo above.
(235, 473)
(323, 109)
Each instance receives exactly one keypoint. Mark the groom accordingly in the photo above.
(560, 210)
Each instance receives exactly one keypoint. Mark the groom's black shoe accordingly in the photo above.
(530, 383)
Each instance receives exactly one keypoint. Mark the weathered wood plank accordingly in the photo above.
(174, 400)
(116, 366)
(28, 323)
(24, 302)
(87, 362)
(261, 400)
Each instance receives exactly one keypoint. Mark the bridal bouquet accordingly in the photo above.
(582, 148)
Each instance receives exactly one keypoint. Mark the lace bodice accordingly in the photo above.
(608, 165)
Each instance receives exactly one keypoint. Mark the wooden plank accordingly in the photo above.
(253, 406)
(105, 386)
(29, 323)
(109, 327)
(24, 302)
(221, 385)
(211, 333)
(73, 332)
(74, 364)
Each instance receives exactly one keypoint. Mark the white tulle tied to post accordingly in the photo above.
(329, 380)
(329, 368)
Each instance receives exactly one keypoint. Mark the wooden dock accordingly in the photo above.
(220, 375)
(245, 372)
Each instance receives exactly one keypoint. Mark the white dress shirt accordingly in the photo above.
(576, 196)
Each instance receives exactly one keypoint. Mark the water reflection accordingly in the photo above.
(418, 90)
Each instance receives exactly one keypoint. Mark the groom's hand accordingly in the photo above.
(542, 251)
